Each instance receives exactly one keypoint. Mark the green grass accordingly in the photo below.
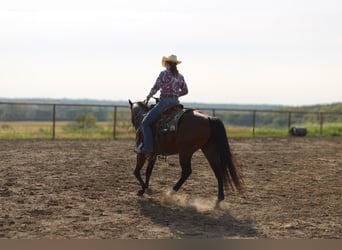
(104, 130)
(329, 129)
(239, 131)
(25, 130)
(63, 130)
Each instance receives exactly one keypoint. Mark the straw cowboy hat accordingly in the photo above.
(171, 58)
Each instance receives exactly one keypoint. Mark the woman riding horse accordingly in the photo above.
(196, 130)
(171, 85)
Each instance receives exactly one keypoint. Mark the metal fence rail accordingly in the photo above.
(51, 109)
(289, 114)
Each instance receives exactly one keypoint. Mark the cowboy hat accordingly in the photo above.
(171, 58)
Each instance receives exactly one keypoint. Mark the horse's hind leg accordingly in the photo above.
(185, 162)
(148, 174)
(213, 159)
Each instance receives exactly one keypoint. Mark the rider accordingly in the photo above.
(171, 85)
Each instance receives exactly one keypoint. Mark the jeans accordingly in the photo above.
(153, 115)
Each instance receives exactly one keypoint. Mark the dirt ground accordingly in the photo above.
(85, 189)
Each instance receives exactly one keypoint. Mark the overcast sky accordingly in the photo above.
(253, 52)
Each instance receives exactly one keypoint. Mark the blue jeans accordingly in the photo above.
(153, 115)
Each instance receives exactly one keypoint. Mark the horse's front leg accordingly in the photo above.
(140, 163)
(141, 159)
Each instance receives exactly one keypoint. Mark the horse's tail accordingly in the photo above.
(229, 168)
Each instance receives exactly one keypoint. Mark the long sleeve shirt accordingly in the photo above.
(169, 85)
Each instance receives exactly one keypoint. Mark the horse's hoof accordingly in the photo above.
(141, 192)
(148, 191)
(171, 192)
(217, 204)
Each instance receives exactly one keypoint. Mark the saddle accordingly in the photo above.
(170, 117)
(164, 129)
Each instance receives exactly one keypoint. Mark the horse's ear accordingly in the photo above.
(130, 102)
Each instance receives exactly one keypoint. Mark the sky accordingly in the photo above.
(244, 52)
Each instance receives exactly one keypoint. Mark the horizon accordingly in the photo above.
(265, 52)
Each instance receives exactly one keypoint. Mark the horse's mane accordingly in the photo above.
(145, 106)
(139, 109)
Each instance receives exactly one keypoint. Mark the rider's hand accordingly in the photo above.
(147, 99)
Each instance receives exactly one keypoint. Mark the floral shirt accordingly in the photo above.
(169, 85)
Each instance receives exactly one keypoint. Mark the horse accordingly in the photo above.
(196, 130)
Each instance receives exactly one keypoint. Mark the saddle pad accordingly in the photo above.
(172, 125)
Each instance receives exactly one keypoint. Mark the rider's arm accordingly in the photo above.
(183, 88)
(156, 86)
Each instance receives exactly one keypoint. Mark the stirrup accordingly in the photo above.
(162, 158)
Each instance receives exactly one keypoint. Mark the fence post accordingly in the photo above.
(53, 121)
(214, 113)
(321, 124)
(114, 123)
(289, 123)
(254, 115)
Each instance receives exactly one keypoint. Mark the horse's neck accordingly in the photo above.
(139, 118)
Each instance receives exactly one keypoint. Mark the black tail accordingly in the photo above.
(230, 169)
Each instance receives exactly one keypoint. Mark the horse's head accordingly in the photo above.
(138, 111)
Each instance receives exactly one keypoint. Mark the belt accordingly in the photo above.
(168, 96)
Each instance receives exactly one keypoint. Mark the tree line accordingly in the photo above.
(278, 118)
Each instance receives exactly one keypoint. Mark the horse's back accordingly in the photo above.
(194, 130)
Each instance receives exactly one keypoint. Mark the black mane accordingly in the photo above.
(144, 106)
(138, 110)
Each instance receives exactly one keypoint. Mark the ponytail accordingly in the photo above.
(173, 68)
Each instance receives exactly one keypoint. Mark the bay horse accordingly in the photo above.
(196, 130)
